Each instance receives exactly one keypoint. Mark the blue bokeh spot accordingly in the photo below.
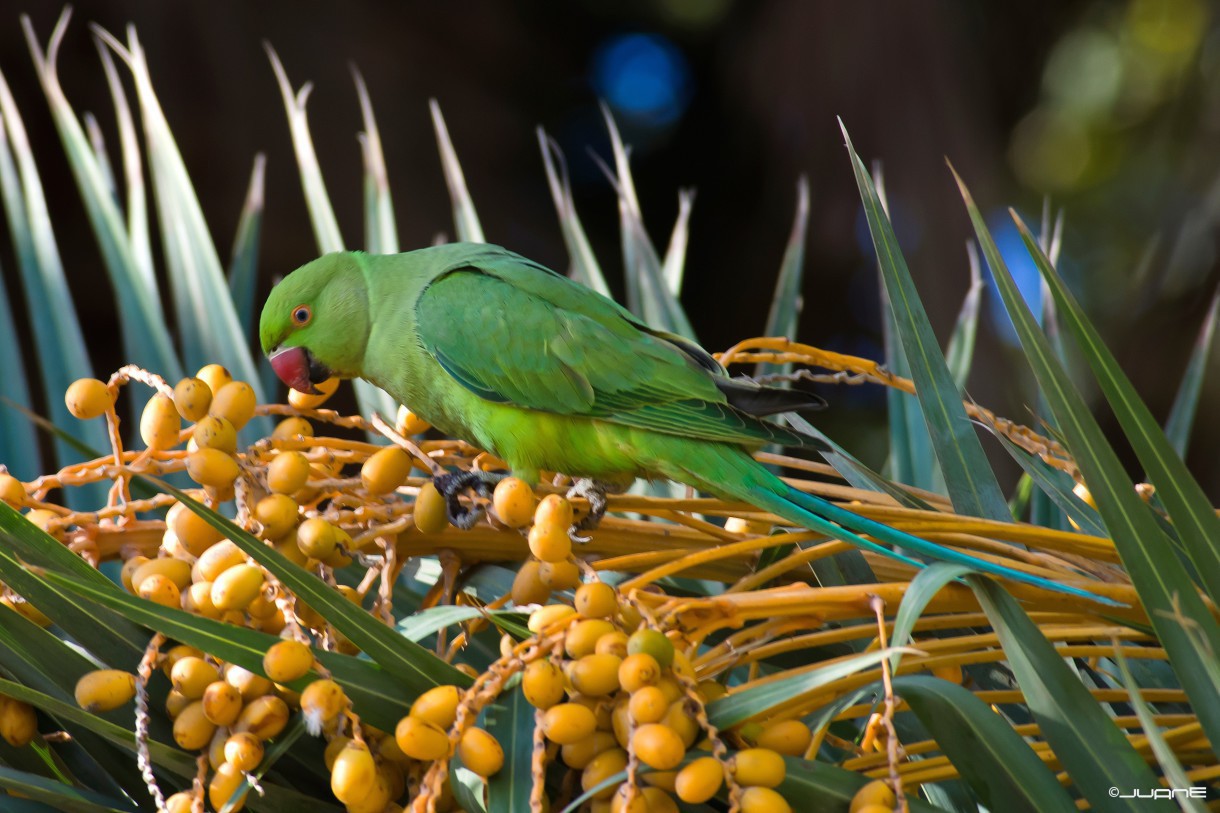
(643, 76)
(1024, 273)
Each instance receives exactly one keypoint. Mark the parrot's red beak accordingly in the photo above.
(292, 365)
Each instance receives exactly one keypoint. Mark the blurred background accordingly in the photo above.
(1109, 107)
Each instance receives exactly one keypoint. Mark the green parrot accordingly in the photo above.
(547, 374)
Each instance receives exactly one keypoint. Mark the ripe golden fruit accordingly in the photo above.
(198, 599)
(287, 661)
(596, 600)
(758, 766)
(244, 751)
(542, 684)
(234, 402)
(763, 800)
(277, 513)
(235, 588)
(875, 794)
(105, 689)
(514, 502)
(600, 768)
(385, 470)
(544, 617)
(438, 705)
(700, 780)
(378, 796)
(12, 491)
(264, 717)
(624, 802)
(527, 585)
(212, 432)
(789, 737)
(646, 800)
(193, 532)
(554, 510)
(680, 720)
(595, 675)
(353, 774)
(639, 670)
(160, 590)
(302, 400)
(654, 643)
(128, 570)
(650, 800)
(224, 784)
(431, 516)
(420, 739)
(567, 723)
(47, 520)
(177, 653)
(550, 543)
(192, 397)
(480, 752)
(288, 472)
(658, 746)
(18, 722)
(88, 398)
(273, 623)
(317, 538)
(612, 643)
(291, 428)
(192, 729)
(212, 467)
(176, 570)
(192, 675)
(408, 423)
(338, 558)
(216, 560)
(221, 703)
(579, 754)
(216, 748)
(159, 423)
(648, 705)
(181, 802)
(175, 702)
(321, 702)
(215, 376)
(559, 575)
(388, 750)
(249, 684)
(582, 636)
(333, 749)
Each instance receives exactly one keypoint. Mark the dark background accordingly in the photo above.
(1112, 108)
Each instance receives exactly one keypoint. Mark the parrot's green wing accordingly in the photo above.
(514, 332)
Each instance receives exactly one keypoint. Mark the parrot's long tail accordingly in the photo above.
(739, 476)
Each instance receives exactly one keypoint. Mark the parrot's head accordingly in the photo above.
(315, 323)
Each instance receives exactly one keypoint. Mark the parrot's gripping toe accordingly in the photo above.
(595, 493)
(451, 487)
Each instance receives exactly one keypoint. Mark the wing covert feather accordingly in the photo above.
(518, 333)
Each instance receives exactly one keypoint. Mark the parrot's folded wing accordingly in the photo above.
(522, 335)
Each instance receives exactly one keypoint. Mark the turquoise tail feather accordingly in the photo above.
(729, 472)
(820, 515)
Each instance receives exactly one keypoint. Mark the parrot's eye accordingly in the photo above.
(301, 315)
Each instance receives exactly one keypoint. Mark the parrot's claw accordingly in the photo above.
(451, 487)
(595, 493)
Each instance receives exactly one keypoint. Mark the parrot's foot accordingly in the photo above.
(451, 487)
(595, 492)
